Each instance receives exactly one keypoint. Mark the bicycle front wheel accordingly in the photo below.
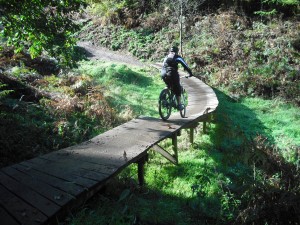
(184, 102)
(165, 104)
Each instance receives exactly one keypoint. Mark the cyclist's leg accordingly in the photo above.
(176, 87)
(166, 79)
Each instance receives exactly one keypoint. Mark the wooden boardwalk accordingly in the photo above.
(40, 190)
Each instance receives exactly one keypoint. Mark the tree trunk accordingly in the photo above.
(180, 25)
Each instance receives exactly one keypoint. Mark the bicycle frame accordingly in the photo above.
(168, 101)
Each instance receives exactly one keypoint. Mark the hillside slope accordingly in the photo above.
(245, 55)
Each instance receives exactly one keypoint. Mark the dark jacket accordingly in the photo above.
(170, 64)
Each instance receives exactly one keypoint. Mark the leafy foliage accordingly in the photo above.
(138, 42)
(125, 12)
(108, 10)
(260, 61)
(275, 6)
(41, 25)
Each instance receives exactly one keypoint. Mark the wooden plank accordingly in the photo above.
(75, 168)
(191, 125)
(165, 154)
(71, 188)
(60, 173)
(22, 211)
(81, 194)
(7, 219)
(82, 167)
(47, 207)
(53, 194)
(67, 158)
(112, 151)
(96, 176)
(88, 155)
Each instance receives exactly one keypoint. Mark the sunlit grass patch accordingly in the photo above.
(132, 91)
(281, 120)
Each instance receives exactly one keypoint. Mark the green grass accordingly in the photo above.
(281, 122)
(132, 91)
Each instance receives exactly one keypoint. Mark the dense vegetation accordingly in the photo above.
(245, 170)
(256, 56)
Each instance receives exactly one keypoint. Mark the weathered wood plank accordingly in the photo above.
(71, 188)
(70, 166)
(43, 204)
(88, 163)
(82, 168)
(60, 173)
(165, 154)
(22, 211)
(53, 194)
(6, 218)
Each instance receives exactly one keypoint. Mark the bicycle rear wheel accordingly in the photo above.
(165, 104)
(183, 102)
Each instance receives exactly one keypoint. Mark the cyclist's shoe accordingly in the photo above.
(181, 107)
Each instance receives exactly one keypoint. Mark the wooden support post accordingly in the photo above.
(179, 132)
(165, 154)
(191, 135)
(141, 169)
(204, 127)
(175, 147)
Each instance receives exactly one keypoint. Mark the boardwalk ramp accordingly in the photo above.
(42, 189)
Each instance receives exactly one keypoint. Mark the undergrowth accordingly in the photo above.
(250, 57)
(72, 107)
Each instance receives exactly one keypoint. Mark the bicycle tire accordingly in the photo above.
(164, 104)
(183, 102)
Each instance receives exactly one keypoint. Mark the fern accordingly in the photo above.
(266, 13)
(4, 93)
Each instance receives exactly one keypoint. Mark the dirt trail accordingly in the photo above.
(97, 52)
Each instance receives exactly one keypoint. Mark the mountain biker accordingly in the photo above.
(170, 75)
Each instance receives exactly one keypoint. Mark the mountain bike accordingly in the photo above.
(168, 101)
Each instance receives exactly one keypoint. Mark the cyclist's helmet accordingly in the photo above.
(174, 49)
